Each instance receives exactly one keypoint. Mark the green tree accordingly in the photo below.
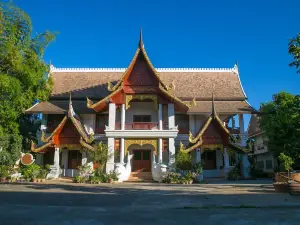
(286, 162)
(23, 73)
(23, 76)
(100, 156)
(280, 120)
(294, 50)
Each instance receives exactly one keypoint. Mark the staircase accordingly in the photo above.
(140, 177)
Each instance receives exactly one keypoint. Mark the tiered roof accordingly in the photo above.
(52, 140)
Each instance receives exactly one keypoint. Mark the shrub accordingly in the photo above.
(183, 160)
(286, 161)
(198, 168)
(234, 174)
(171, 177)
(4, 171)
(95, 179)
(31, 171)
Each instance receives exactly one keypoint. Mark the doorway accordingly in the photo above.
(210, 160)
(141, 161)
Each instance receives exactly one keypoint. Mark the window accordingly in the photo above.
(141, 118)
(260, 164)
(182, 121)
(269, 164)
(101, 121)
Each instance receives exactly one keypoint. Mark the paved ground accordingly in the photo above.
(243, 202)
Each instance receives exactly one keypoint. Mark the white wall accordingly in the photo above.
(141, 108)
(267, 156)
(89, 121)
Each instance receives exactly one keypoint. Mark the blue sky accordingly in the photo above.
(195, 33)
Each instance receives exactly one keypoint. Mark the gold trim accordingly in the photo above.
(187, 150)
(33, 147)
(212, 146)
(70, 146)
(141, 142)
(140, 97)
(193, 139)
(46, 139)
(86, 145)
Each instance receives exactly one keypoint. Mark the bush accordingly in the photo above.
(183, 160)
(198, 168)
(95, 179)
(4, 171)
(171, 177)
(234, 174)
(31, 171)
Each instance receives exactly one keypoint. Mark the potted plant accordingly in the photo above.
(198, 169)
(31, 172)
(286, 163)
(4, 172)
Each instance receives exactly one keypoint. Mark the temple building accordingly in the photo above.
(145, 115)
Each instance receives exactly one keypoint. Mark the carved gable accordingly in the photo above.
(141, 74)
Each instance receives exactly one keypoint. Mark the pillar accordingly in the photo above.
(241, 123)
(83, 158)
(226, 162)
(172, 152)
(112, 116)
(56, 157)
(64, 159)
(192, 124)
(122, 150)
(39, 159)
(233, 122)
(111, 158)
(160, 124)
(160, 149)
(123, 117)
(198, 155)
(245, 166)
(171, 116)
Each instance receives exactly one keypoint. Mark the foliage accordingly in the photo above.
(198, 168)
(44, 171)
(95, 179)
(79, 179)
(234, 174)
(4, 171)
(84, 170)
(31, 171)
(183, 160)
(171, 177)
(189, 176)
(10, 149)
(100, 156)
(286, 161)
(280, 121)
(294, 50)
(22, 69)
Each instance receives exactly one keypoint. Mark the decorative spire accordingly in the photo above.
(213, 110)
(141, 44)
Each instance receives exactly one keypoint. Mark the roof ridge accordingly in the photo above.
(55, 69)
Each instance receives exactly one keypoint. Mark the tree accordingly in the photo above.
(100, 156)
(286, 161)
(23, 73)
(294, 50)
(280, 120)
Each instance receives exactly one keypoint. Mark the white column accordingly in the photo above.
(122, 150)
(198, 155)
(233, 122)
(56, 157)
(111, 159)
(160, 125)
(83, 158)
(123, 117)
(64, 159)
(171, 116)
(226, 158)
(192, 124)
(226, 162)
(172, 152)
(39, 159)
(160, 149)
(241, 123)
(112, 116)
(245, 166)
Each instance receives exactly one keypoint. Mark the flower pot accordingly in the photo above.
(293, 176)
(190, 181)
(43, 180)
(294, 188)
(110, 180)
(281, 187)
(34, 180)
(3, 179)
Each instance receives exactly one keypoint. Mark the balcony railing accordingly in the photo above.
(141, 126)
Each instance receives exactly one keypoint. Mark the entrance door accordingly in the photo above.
(210, 160)
(141, 161)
